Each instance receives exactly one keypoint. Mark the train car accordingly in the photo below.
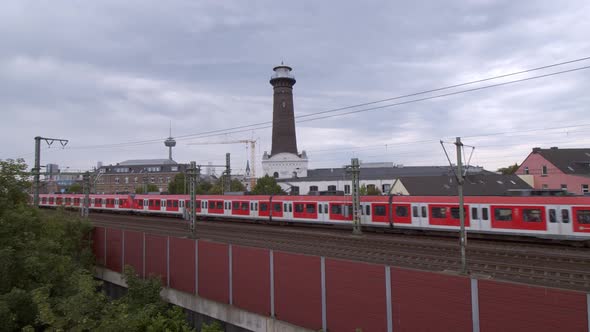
(547, 217)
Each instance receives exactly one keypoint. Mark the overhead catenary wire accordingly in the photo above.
(314, 116)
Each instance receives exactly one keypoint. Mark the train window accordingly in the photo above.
(320, 209)
(140, 202)
(552, 216)
(263, 206)
(290, 207)
(565, 216)
(151, 203)
(439, 212)
(415, 211)
(503, 214)
(236, 205)
(583, 216)
(251, 205)
(277, 207)
(256, 206)
(298, 207)
(455, 213)
(336, 209)
(164, 204)
(219, 205)
(380, 210)
(474, 214)
(310, 208)
(204, 204)
(368, 210)
(532, 215)
(174, 203)
(285, 207)
(212, 205)
(245, 206)
(157, 203)
(484, 214)
(401, 211)
(424, 212)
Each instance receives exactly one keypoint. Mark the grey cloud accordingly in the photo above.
(112, 71)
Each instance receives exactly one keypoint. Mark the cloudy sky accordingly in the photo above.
(106, 73)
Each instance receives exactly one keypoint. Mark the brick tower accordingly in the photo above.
(284, 161)
(283, 117)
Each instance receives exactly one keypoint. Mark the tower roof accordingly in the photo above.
(283, 72)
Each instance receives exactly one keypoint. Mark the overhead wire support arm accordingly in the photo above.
(37, 169)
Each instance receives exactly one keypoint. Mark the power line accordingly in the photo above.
(450, 93)
(268, 124)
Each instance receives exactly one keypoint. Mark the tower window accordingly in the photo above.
(284, 104)
(276, 175)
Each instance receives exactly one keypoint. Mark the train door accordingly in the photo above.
(227, 208)
(366, 213)
(420, 215)
(254, 209)
(558, 220)
(476, 222)
(205, 207)
(288, 210)
(181, 207)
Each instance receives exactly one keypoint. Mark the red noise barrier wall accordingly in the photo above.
(339, 295)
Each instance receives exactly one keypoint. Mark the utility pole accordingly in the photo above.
(356, 197)
(227, 182)
(194, 174)
(37, 169)
(86, 189)
(460, 181)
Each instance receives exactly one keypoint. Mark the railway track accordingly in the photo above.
(538, 264)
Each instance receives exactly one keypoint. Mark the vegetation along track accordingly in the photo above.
(540, 264)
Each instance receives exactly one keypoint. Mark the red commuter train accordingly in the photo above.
(546, 217)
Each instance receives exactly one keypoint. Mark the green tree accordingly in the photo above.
(373, 191)
(369, 191)
(46, 281)
(509, 169)
(217, 188)
(75, 188)
(178, 185)
(204, 187)
(13, 183)
(267, 185)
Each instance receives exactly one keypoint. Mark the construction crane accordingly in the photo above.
(252, 144)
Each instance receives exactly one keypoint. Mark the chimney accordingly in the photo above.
(553, 148)
(536, 150)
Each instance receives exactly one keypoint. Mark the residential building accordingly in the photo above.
(126, 176)
(384, 176)
(555, 168)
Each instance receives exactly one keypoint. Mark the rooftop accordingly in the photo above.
(569, 161)
(138, 162)
(474, 185)
(376, 173)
